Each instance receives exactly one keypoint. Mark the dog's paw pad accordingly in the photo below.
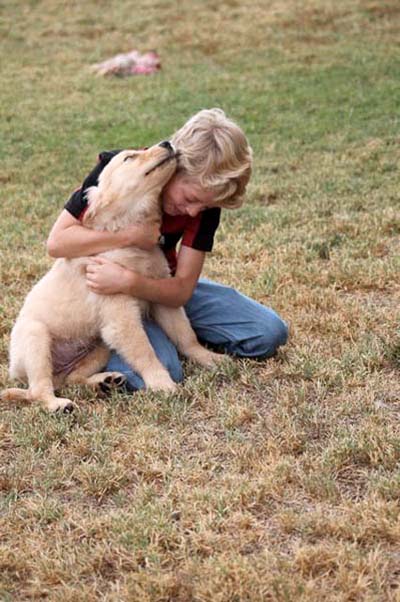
(64, 409)
(69, 408)
(104, 388)
(110, 382)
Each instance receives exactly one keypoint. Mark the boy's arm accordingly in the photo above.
(69, 238)
(105, 277)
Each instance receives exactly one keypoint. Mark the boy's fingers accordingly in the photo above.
(96, 263)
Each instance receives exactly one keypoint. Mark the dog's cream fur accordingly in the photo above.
(60, 307)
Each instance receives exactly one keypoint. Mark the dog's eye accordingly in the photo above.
(130, 157)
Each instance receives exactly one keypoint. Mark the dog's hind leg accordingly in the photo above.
(176, 325)
(36, 340)
(14, 394)
(124, 332)
(87, 371)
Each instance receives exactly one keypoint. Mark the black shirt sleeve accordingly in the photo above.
(78, 201)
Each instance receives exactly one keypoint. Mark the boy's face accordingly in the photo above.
(181, 196)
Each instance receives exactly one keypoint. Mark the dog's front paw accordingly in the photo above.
(160, 381)
(60, 405)
(206, 358)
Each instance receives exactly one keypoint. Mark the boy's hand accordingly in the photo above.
(145, 236)
(106, 277)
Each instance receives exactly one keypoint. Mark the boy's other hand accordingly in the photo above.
(106, 277)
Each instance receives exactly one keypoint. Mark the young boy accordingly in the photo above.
(214, 169)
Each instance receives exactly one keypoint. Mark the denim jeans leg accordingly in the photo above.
(223, 317)
(165, 351)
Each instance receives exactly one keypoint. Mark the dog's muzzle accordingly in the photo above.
(173, 154)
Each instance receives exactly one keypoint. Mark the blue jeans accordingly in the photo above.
(222, 318)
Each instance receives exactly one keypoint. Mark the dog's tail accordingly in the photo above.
(15, 395)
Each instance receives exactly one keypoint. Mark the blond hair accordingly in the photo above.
(215, 153)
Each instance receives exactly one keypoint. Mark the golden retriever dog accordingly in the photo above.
(64, 331)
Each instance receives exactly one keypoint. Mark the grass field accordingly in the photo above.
(263, 481)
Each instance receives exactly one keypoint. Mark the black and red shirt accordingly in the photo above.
(195, 232)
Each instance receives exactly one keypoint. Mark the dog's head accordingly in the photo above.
(129, 187)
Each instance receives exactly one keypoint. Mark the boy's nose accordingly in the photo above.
(166, 144)
(192, 211)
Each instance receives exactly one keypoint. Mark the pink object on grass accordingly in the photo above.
(130, 63)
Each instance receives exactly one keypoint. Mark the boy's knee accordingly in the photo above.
(266, 340)
(281, 332)
(274, 335)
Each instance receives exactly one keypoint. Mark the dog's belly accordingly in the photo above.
(65, 354)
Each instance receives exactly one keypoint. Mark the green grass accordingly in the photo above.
(275, 480)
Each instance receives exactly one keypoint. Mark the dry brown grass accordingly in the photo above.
(274, 481)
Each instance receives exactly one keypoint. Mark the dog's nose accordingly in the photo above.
(166, 144)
